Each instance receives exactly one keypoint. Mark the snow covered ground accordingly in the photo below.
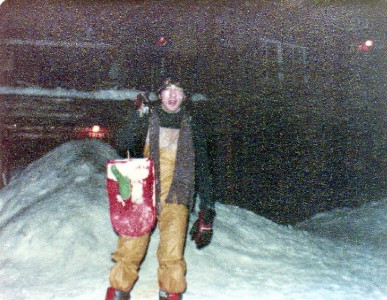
(56, 241)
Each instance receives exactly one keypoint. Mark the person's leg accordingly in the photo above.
(128, 257)
(172, 224)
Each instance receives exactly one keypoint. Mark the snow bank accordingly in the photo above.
(56, 241)
(365, 225)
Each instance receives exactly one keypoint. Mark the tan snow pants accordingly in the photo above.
(172, 224)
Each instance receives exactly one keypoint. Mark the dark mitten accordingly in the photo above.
(201, 231)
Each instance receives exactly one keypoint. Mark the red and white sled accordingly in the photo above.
(135, 215)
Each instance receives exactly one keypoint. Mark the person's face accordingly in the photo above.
(171, 98)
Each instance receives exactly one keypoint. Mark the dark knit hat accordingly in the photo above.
(168, 82)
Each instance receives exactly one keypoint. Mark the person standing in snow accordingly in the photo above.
(176, 143)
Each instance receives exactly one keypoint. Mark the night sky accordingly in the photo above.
(297, 103)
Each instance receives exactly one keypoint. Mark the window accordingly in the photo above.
(284, 61)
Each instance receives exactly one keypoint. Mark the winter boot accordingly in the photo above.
(113, 294)
(170, 296)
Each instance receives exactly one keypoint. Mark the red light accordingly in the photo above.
(161, 41)
(95, 129)
(366, 46)
(97, 132)
(93, 132)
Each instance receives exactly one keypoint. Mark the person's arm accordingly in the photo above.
(202, 230)
(202, 168)
(130, 137)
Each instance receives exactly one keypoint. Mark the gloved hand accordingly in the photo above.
(201, 231)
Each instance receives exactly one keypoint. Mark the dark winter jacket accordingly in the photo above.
(132, 135)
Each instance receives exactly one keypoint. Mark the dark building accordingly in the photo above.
(296, 98)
